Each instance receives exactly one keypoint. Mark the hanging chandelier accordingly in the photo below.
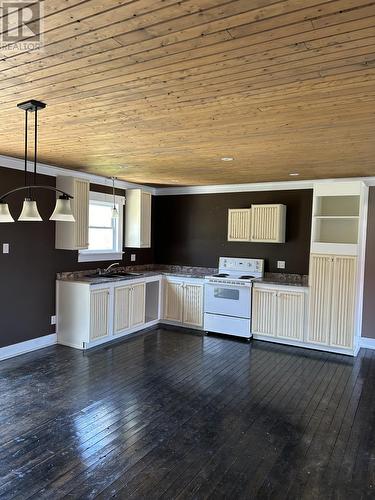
(30, 213)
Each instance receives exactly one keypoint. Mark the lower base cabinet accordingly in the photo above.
(332, 300)
(99, 313)
(279, 313)
(183, 303)
(129, 307)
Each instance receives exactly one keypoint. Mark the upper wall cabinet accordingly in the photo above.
(260, 223)
(239, 224)
(138, 219)
(268, 223)
(74, 235)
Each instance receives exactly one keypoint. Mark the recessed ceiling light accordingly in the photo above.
(294, 174)
(227, 158)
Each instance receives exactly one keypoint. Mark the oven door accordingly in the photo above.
(227, 300)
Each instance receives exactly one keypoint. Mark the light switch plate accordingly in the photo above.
(5, 247)
(133, 257)
(281, 264)
(53, 320)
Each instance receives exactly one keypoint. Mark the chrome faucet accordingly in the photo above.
(107, 269)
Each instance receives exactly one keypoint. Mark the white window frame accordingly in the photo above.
(94, 255)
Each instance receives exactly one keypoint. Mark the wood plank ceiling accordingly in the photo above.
(157, 91)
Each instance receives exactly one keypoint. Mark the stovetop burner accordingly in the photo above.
(221, 275)
(247, 277)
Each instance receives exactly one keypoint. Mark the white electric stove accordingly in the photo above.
(227, 304)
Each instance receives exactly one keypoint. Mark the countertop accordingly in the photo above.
(98, 280)
(297, 280)
(179, 272)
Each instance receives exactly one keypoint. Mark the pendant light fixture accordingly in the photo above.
(30, 213)
(114, 209)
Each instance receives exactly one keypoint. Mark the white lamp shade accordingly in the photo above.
(63, 211)
(5, 215)
(29, 212)
(114, 213)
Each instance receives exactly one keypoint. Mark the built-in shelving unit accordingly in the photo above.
(338, 239)
(336, 218)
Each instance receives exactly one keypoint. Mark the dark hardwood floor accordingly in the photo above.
(173, 415)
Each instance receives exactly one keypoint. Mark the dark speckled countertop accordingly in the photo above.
(146, 271)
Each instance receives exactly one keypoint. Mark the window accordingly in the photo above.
(105, 233)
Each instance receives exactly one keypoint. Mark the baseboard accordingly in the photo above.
(367, 343)
(29, 345)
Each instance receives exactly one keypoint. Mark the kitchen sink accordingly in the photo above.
(114, 275)
(120, 275)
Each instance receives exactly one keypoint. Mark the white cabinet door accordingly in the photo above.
(268, 223)
(290, 315)
(99, 313)
(343, 301)
(138, 304)
(121, 308)
(74, 235)
(264, 311)
(145, 220)
(138, 219)
(321, 271)
(173, 301)
(239, 224)
(193, 305)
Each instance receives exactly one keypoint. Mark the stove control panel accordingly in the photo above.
(245, 266)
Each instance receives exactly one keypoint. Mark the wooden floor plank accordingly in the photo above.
(171, 414)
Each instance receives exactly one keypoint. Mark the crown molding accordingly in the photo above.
(42, 168)
(53, 171)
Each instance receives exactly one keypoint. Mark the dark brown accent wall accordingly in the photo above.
(368, 319)
(27, 291)
(192, 229)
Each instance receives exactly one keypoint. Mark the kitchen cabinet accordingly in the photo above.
(279, 312)
(129, 306)
(258, 224)
(92, 314)
(193, 305)
(239, 224)
(332, 300)
(99, 313)
(138, 219)
(74, 235)
(183, 303)
(174, 299)
(264, 311)
(268, 223)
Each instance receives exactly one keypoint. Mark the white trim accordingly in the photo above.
(29, 345)
(53, 171)
(306, 345)
(367, 343)
(93, 256)
(97, 257)
(258, 186)
(18, 164)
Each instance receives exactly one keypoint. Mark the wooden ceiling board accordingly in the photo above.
(157, 91)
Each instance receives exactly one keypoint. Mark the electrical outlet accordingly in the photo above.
(281, 264)
(53, 320)
(5, 247)
(133, 257)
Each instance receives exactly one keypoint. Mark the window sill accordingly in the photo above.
(99, 256)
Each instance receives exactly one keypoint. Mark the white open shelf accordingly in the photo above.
(336, 223)
(337, 206)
